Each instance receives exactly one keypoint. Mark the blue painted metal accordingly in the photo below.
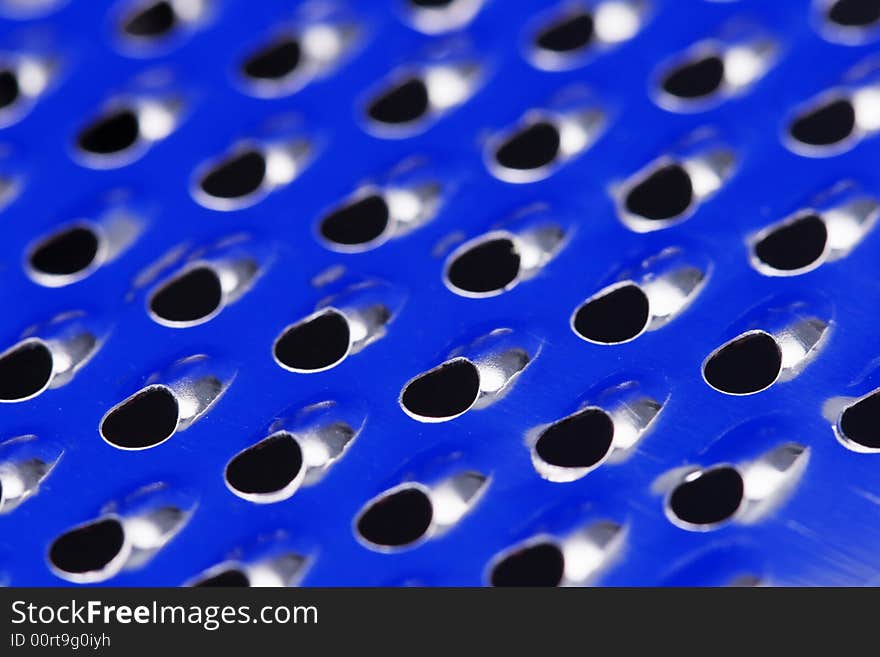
(827, 533)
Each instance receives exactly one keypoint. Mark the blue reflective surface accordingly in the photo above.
(827, 532)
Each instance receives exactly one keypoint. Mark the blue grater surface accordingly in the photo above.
(816, 522)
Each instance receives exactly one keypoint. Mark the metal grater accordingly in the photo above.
(585, 223)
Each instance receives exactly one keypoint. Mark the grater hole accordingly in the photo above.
(571, 33)
(9, 89)
(145, 419)
(826, 125)
(25, 370)
(314, 344)
(65, 253)
(533, 147)
(397, 519)
(489, 266)
(231, 577)
(859, 422)
(274, 62)
(88, 548)
(541, 564)
(190, 297)
(708, 497)
(154, 20)
(268, 467)
(579, 441)
(854, 13)
(794, 245)
(110, 134)
(666, 193)
(358, 222)
(235, 177)
(613, 317)
(404, 103)
(695, 79)
(444, 392)
(747, 364)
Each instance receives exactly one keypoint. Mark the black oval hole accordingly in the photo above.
(267, 467)
(432, 4)
(541, 564)
(666, 193)
(489, 266)
(397, 519)
(145, 419)
(533, 147)
(274, 62)
(237, 176)
(443, 392)
(314, 344)
(571, 33)
(713, 496)
(794, 245)
(66, 252)
(747, 364)
(189, 297)
(24, 371)
(616, 316)
(358, 222)
(154, 20)
(578, 441)
(695, 79)
(404, 103)
(110, 134)
(9, 89)
(227, 578)
(826, 125)
(860, 423)
(854, 13)
(88, 548)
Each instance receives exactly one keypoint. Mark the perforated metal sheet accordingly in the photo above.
(826, 530)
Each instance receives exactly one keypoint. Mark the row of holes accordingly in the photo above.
(745, 365)
(531, 148)
(155, 20)
(278, 61)
(748, 364)
(581, 441)
(323, 340)
(569, 34)
(574, 31)
(403, 518)
(488, 267)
